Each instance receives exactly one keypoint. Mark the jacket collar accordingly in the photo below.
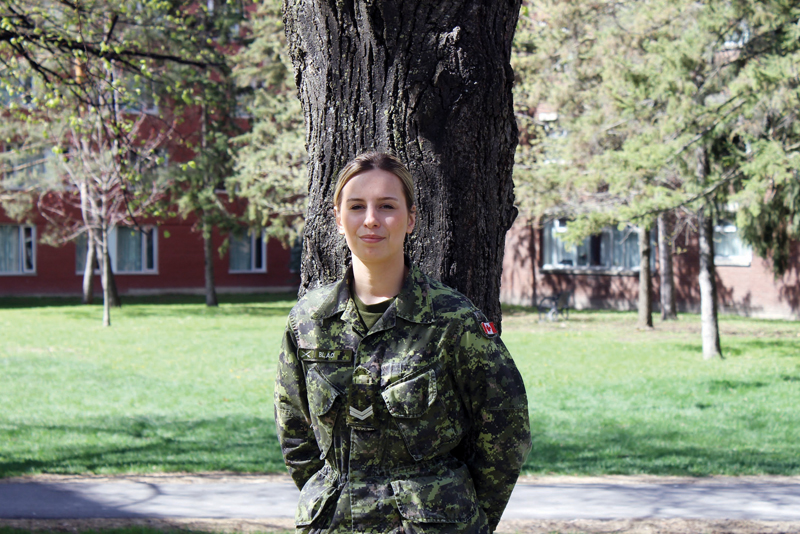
(413, 303)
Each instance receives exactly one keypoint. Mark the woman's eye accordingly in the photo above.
(356, 207)
(387, 207)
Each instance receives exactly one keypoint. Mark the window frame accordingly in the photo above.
(22, 270)
(114, 249)
(560, 227)
(261, 236)
(745, 259)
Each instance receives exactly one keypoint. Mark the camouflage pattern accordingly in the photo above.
(418, 426)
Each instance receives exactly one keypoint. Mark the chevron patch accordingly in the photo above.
(361, 414)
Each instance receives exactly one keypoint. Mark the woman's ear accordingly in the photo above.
(412, 219)
(338, 217)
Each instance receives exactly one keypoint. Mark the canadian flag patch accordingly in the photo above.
(489, 329)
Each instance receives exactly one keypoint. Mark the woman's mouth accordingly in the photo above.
(371, 238)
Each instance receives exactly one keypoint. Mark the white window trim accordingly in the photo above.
(253, 237)
(112, 251)
(560, 228)
(34, 252)
(742, 260)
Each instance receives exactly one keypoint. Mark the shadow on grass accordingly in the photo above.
(235, 310)
(142, 445)
(627, 453)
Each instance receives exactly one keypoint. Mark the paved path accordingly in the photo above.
(154, 498)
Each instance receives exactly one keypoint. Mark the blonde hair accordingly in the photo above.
(375, 160)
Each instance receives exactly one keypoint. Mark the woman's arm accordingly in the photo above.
(499, 438)
(298, 445)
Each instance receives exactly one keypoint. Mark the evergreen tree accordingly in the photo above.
(672, 106)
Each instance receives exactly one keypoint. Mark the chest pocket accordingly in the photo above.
(324, 408)
(419, 408)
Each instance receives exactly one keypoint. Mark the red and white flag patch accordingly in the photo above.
(489, 329)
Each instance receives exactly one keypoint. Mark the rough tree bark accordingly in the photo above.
(430, 82)
(709, 330)
(645, 283)
(208, 254)
(667, 286)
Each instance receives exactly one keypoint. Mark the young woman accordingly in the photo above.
(398, 408)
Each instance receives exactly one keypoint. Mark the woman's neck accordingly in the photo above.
(375, 284)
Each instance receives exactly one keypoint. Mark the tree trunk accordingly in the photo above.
(708, 286)
(430, 82)
(667, 296)
(208, 252)
(88, 270)
(105, 275)
(645, 283)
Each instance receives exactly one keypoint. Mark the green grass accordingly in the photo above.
(169, 387)
(607, 398)
(176, 386)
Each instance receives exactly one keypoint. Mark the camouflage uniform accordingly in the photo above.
(418, 426)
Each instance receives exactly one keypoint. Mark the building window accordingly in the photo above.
(729, 249)
(248, 253)
(131, 250)
(17, 249)
(135, 250)
(612, 249)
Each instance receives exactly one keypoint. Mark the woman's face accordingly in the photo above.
(373, 217)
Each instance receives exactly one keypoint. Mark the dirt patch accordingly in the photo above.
(637, 480)
(196, 525)
(649, 526)
(629, 526)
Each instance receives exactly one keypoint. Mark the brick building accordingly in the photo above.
(166, 257)
(603, 272)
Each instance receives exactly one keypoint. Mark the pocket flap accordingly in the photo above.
(447, 497)
(313, 498)
(321, 393)
(411, 398)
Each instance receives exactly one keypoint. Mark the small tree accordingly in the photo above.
(92, 63)
(270, 158)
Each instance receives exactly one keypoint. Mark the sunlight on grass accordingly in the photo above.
(176, 386)
(607, 398)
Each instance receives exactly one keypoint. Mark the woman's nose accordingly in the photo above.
(370, 218)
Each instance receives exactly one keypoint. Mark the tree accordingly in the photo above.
(431, 82)
(645, 279)
(91, 63)
(665, 248)
(270, 157)
(673, 105)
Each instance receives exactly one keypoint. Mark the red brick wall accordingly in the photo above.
(748, 290)
(180, 268)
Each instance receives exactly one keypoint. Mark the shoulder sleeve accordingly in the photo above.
(292, 418)
(494, 396)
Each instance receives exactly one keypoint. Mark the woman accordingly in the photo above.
(398, 407)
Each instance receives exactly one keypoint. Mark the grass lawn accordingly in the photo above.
(175, 386)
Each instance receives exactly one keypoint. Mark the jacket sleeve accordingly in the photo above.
(499, 438)
(292, 418)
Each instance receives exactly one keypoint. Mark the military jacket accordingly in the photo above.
(419, 425)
